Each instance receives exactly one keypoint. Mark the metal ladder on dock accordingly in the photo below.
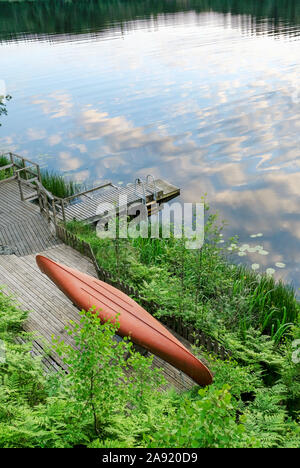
(153, 206)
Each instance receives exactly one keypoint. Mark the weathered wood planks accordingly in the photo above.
(22, 228)
(119, 197)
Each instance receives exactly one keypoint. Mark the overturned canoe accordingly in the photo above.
(87, 292)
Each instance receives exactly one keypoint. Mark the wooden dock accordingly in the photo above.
(26, 230)
(153, 195)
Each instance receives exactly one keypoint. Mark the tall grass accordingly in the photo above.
(3, 160)
(58, 185)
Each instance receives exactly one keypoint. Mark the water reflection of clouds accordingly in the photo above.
(54, 140)
(69, 162)
(119, 135)
(34, 134)
(55, 105)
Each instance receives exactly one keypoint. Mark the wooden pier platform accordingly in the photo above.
(84, 206)
(87, 207)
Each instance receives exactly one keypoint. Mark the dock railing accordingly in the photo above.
(28, 174)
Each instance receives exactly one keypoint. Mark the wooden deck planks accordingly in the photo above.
(22, 228)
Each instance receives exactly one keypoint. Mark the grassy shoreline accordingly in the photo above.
(254, 317)
(202, 287)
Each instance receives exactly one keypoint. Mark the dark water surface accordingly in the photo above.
(203, 93)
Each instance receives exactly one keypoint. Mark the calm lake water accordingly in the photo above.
(205, 94)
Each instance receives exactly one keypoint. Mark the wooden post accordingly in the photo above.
(24, 165)
(40, 200)
(11, 157)
(20, 186)
(54, 211)
(38, 170)
(63, 210)
(46, 206)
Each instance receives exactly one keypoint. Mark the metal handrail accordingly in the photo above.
(140, 181)
(154, 183)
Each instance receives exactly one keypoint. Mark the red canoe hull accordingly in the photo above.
(87, 292)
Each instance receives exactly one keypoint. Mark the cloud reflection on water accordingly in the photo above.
(193, 99)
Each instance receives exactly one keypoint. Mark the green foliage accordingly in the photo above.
(3, 101)
(208, 421)
(268, 419)
(200, 286)
(111, 397)
(107, 394)
(11, 318)
(4, 161)
(245, 312)
(107, 380)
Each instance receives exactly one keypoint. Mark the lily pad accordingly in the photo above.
(280, 265)
(263, 252)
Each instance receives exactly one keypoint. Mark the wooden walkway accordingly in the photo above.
(23, 230)
(50, 310)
